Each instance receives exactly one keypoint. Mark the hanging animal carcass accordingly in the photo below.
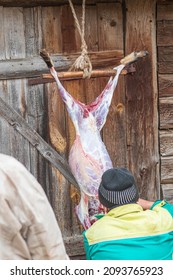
(88, 157)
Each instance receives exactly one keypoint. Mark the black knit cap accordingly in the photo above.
(117, 187)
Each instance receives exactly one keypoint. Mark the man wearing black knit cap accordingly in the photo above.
(133, 228)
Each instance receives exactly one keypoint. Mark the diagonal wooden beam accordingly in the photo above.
(19, 124)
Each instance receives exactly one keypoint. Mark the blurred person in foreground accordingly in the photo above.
(133, 228)
(28, 227)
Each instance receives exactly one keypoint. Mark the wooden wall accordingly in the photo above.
(165, 81)
(23, 32)
(141, 98)
(114, 28)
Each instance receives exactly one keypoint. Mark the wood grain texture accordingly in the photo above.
(35, 66)
(166, 142)
(74, 246)
(110, 32)
(77, 90)
(52, 28)
(33, 30)
(164, 2)
(165, 85)
(19, 146)
(167, 191)
(165, 81)
(114, 131)
(61, 201)
(165, 33)
(166, 112)
(36, 118)
(60, 187)
(165, 67)
(4, 128)
(111, 36)
(91, 25)
(31, 3)
(131, 130)
(167, 170)
(15, 120)
(14, 33)
(2, 42)
(62, 40)
(165, 54)
(141, 91)
(69, 32)
(56, 118)
(165, 12)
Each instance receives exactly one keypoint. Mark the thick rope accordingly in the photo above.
(83, 61)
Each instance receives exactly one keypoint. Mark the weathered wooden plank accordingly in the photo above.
(110, 33)
(29, 32)
(58, 124)
(29, 67)
(31, 3)
(69, 32)
(165, 12)
(59, 193)
(165, 67)
(77, 90)
(167, 170)
(33, 30)
(51, 26)
(91, 35)
(141, 94)
(56, 119)
(19, 146)
(14, 33)
(164, 2)
(60, 188)
(19, 124)
(167, 190)
(2, 42)
(165, 53)
(166, 113)
(116, 141)
(165, 33)
(165, 85)
(111, 36)
(166, 142)
(37, 117)
(4, 128)
(15, 48)
(34, 66)
(74, 246)
(61, 201)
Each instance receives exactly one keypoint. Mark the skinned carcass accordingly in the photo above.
(88, 157)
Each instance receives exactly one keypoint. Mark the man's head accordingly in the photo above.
(117, 188)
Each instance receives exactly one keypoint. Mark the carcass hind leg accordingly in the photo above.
(82, 211)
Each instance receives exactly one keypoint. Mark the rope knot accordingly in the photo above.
(83, 61)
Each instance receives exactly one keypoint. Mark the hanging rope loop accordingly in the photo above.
(83, 61)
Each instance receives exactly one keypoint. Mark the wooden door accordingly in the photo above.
(113, 28)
